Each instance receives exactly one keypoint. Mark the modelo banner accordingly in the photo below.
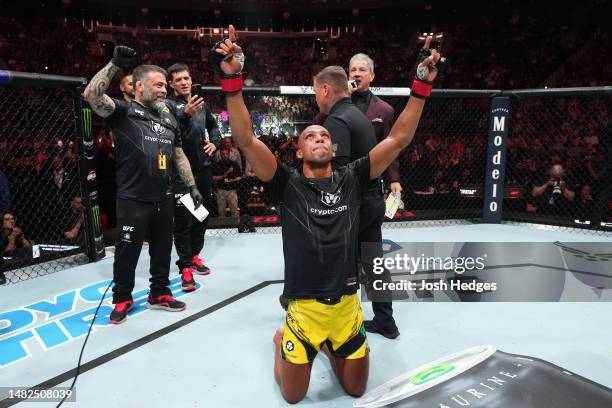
(483, 377)
(89, 186)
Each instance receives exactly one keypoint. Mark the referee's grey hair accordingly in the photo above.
(363, 57)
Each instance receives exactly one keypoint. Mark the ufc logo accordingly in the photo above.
(128, 228)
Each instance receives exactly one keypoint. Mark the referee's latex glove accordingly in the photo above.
(123, 56)
(196, 196)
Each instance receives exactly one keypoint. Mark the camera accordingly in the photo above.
(556, 187)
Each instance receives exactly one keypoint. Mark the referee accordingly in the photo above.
(201, 138)
(147, 138)
(353, 137)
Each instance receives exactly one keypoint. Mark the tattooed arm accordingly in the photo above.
(95, 94)
(184, 170)
(183, 167)
(101, 103)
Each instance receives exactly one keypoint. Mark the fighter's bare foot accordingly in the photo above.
(278, 340)
(278, 336)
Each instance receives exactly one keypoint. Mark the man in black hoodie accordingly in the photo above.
(201, 138)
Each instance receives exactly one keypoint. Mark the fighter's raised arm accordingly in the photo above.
(405, 126)
(227, 59)
(95, 94)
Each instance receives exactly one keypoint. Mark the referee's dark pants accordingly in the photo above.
(134, 220)
(370, 246)
(188, 231)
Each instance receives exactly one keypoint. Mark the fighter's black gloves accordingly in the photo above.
(196, 196)
(421, 87)
(123, 56)
(229, 82)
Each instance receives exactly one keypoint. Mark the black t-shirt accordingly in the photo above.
(352, 134)
(193, 134)
(320, 226)
(145, 140)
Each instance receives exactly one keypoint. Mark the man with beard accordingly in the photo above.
(320, 217)
(196, 121)
(127, 87)
(147, 137)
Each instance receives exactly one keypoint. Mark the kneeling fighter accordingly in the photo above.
(320, 217)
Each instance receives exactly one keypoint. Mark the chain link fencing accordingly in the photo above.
(41, 200)
(558, 168)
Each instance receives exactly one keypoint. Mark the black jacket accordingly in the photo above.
(193, 132)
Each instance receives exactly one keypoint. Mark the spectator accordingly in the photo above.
(554, 193)
(5, 193)
(227, 177)
(584, 204)
(75, 222)
(13, 240)
(234, 154)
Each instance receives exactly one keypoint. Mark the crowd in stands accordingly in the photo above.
(557, 155)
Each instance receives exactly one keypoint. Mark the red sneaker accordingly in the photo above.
(120, 312)
(187, 282)
(197, 263)
(165, 302)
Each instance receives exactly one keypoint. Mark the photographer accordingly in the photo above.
(13, 240)
(555, 194)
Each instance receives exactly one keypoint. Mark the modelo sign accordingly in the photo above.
(499, 124)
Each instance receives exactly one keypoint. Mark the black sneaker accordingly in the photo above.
(187, 282)
(390, 332)
(120, 312)
(2, 278)
(165, 302)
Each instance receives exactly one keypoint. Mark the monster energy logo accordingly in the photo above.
(87, 123)
(431, 373)
(95, 212)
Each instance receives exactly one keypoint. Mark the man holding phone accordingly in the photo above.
(201, 138)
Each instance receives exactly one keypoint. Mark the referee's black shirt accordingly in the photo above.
(144, 141)
(352, 134)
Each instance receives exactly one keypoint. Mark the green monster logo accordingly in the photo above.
(87, 122)
(431, 373)
(95, 213)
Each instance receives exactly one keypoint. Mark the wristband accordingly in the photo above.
(420, 89)
(232, 84)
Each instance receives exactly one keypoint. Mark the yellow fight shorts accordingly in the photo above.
(310, 323)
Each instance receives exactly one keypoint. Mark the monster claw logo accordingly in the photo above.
(95, 214)
(87, 123)
(87, 134)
